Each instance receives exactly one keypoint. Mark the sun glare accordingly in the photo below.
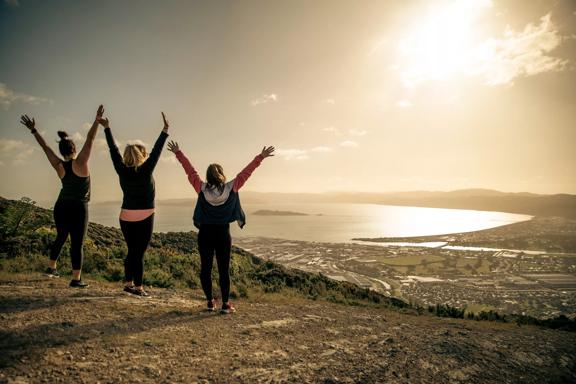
(440, 45)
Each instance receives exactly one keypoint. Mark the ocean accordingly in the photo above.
(330, 222)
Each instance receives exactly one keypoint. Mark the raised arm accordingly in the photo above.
(114, 152)
(193, 177)
(247, 171)
(54, 160)
(84, 154)
(152, 160)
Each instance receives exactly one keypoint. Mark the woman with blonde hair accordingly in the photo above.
(218, 205)
(135, 170)
(71, 208)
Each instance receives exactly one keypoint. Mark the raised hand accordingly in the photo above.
(166, 125)
(28, 122)
(173, 147)
(99, 112)
(267, 152)
(103, 121)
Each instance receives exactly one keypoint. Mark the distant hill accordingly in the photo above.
(561, 205)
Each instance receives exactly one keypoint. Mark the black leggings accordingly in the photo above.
(137, 235)
(71, 218)
(215, 239)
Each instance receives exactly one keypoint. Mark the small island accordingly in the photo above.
(267, 212)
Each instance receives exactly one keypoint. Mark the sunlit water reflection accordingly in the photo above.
(329, 222)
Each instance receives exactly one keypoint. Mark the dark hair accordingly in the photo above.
(66, 145)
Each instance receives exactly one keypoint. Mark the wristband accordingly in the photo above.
(33, 131)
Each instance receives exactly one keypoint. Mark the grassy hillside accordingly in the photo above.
(172, 261)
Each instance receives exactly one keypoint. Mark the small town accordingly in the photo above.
(534, 283)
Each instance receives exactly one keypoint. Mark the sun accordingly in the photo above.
(442, 44)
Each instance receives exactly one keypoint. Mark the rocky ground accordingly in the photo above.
(51, 333)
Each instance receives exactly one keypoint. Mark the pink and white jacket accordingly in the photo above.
(212, 194)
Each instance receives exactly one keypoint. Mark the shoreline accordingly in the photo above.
(539, 234)
(530, 268)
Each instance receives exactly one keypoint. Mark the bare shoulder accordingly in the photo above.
(79, 168)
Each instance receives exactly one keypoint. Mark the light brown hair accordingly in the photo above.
(135, 155)
(215, 176)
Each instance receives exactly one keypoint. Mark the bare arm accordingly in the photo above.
(84, 154)
(52, 158)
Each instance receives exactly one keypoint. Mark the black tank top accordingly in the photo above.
(74, 187)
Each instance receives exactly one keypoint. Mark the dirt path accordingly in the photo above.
(51, 333)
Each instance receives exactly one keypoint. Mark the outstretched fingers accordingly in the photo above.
(267, 151)
(29, 123)
(173, 146)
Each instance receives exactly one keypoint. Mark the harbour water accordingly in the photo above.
(327, 222)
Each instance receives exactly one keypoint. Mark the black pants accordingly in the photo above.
(137, 235)
(215, 239)
(71, 218)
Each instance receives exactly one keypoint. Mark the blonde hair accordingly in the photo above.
(215, 176)
(135, 155)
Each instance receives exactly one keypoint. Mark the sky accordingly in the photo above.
(365, 96)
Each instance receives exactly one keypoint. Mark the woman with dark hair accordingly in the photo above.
(218, 205)
(135, 170)
(71, 208)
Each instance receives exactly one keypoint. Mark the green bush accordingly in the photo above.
(159, 278)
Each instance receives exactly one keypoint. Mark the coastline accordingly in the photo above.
(530, 268)
(543, 234)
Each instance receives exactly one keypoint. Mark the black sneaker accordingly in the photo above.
(140, 292)
(51, 272)
(78, 284)
(211, 305)
(129, 289)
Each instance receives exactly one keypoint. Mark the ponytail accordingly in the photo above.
(66, 145)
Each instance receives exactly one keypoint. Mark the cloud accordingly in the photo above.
(333, 130)
(15, 152)
(357, 132)
(520, 54)
(12, 3)
(77, 137)
(292, 154)
(86, 126)
(404, 103)
(349, 144)
(301, 154)
(138, 141)
(9, 97)
(264, 99)
(444, 44)
(100, 146)
(168, 158)
(321, 149)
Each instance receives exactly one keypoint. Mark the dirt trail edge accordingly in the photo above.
(51, 333)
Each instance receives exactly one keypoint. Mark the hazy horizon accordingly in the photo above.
(361, 97)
